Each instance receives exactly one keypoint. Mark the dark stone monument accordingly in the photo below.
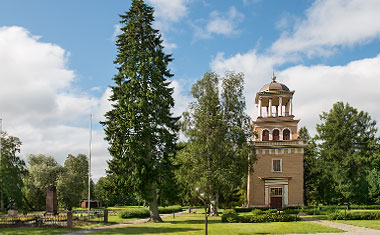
(51, 200)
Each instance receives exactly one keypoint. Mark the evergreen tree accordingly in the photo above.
(311, 169)
(216, 155)
(347, 146)
(140, 128)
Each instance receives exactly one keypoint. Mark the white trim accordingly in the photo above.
(280, 164)
(286, 194)
(266, 196)
(279, 133)
(290, 133)
(262, 131)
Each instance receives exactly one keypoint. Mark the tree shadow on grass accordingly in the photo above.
(146, 230)
(194, 222)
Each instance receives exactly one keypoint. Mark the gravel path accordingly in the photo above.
(350, 229)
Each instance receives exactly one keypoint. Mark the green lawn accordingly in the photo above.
(33, 231)
(374, 224)
(194, 224)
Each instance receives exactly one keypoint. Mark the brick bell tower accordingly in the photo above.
(277, 179)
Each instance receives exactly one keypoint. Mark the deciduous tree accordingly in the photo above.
(216, 156)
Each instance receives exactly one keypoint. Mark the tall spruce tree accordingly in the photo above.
(140, 128)
(347, 148)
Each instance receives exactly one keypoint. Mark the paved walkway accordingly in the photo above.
(120, 225)
(350, 229)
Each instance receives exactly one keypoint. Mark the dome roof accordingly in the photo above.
(274, 86)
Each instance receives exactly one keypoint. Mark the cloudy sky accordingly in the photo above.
(56, 60)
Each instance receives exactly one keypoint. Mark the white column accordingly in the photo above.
(270, 107)
(291, 106)
(286, 195)
(280, 105)
(260, 110)
(287, 108)
(266, 195)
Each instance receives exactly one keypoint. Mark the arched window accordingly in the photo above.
(286, 134)
(265, 136)
(276, 134)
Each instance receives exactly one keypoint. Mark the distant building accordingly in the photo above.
(94, 203)
(277, 180)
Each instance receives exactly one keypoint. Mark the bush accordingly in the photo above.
(229, 211)
(257, 212)
(169, 209)
(375, 215)
(240, 210)
(266, 216)
(144, 212)
(134, 213)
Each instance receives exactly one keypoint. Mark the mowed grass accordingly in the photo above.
(34, 231)
(194, 224)
(374, 224)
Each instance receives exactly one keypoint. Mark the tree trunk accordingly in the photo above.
(38, 198)
(214, 206)
(153, 207)
(28, 203)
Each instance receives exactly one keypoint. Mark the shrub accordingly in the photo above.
(134, 213)
(240, 210)
(267, 216)
(229, 211)
(169, 209)
(144, 212)
(257, 212)
(350, 215)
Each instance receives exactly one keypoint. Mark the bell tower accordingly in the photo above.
(277, 179)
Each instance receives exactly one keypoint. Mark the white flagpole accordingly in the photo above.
(1, 180)
(89, 169)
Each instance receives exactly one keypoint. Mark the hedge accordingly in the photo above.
(144, 212)
(351, 215)
(257, 217)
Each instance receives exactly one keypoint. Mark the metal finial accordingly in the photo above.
(273, 77)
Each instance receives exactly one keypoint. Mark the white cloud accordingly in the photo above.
(220, 24)
(116, 31)
(319, 87)
(38, 104)
(181, 100)
(331, 24)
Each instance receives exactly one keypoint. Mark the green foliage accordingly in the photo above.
(72, 183)
(12, 171)
(140, 128)
(144, 212)
(258, 217)
(373, 179)
(42, 172)
(347, 151)
(217, 154)
(257, 212)
(352, 215)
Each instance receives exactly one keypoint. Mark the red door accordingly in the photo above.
(276, 202)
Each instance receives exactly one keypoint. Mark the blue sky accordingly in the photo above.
(56, 60)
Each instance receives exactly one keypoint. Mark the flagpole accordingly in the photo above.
(89, 169)
(1, 179)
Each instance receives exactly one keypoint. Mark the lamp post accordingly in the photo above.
(202, 196)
